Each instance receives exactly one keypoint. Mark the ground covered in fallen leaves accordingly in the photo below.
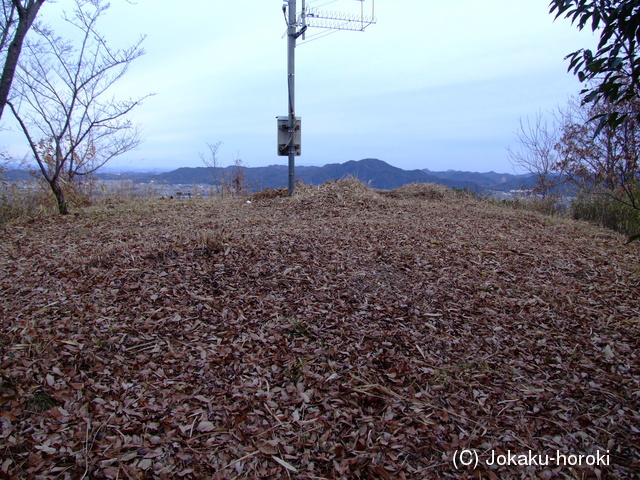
(340, 334)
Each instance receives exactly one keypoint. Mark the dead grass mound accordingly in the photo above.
(345, 192)
(427, 191)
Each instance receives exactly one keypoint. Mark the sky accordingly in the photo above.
(431, 85)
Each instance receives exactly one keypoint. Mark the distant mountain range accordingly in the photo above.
(374, 172)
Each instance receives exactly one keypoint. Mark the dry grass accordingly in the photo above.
(29, 202)
(427, 191)
(341, 333)
(342, 193)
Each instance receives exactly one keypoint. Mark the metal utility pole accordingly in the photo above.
(291, 76)
(289, 128)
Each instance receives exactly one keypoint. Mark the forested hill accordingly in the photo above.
(376, 173)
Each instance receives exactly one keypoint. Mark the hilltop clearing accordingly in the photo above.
(342, 333)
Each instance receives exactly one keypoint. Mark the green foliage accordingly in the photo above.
(608, 212)
(41, 402)
(300, 328)
(614, 68)
(469, 192)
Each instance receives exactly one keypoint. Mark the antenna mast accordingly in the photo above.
(289, 127)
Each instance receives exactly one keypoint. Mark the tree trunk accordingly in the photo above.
(59, 194)
(26, 16)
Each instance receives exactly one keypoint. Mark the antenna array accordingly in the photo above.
(337, 21)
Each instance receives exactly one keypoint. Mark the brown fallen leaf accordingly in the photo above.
(286, 465)
(410, 325)
(205, 426)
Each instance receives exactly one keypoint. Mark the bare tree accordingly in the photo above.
(7, 24)
(237, 180)
(212, 162)
(602, 158)
(538, 152)
(17, 18)
(61, 104)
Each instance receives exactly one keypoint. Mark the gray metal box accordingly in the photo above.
(284, 136)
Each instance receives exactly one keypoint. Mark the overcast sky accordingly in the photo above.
(437, 85)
